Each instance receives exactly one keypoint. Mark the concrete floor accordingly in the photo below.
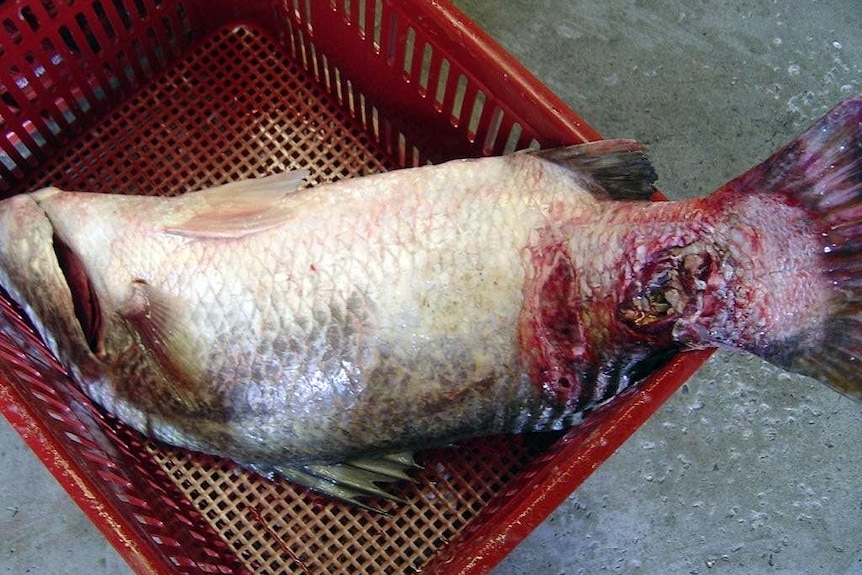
(747, 470)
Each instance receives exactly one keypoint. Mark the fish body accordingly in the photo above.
(298, 329)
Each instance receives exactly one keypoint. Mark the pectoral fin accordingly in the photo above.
(159, 321)
(240, 208)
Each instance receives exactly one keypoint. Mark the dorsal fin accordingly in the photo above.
(240, 208)
(273, 186)
(620, 168)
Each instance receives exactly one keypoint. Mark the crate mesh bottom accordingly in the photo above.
(234, 108)
(237, 107)
(278, 527)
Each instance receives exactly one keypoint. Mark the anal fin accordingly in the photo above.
(393, 466)
(350, 481)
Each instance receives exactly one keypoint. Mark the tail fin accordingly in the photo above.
(821, 172)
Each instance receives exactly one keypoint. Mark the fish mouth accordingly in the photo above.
(84, 298)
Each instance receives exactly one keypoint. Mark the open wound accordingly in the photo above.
(673, 287)
(553, 343)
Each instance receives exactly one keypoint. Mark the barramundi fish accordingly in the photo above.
(323, 333)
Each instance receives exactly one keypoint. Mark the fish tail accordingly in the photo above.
(817, 179)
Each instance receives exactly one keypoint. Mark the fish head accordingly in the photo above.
(46, 268)
(31, 274)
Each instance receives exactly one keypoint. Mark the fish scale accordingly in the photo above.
(314, 333)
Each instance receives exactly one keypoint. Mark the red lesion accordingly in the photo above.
(553, 342)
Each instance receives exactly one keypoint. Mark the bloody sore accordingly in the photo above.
(554, 345)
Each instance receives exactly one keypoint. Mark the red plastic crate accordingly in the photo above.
(164, 96)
